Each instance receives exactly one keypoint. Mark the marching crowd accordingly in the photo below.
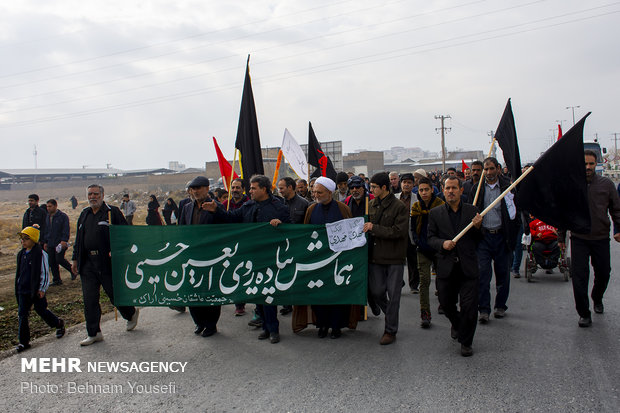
(413, 219)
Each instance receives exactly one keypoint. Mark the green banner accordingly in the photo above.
(234, 263)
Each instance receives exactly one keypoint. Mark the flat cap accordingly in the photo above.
(198, 182)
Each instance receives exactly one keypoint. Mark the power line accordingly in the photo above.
(278, 77)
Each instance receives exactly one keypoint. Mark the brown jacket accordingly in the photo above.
(344, 210)
(388, 238)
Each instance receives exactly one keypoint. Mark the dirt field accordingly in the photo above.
(65, 300)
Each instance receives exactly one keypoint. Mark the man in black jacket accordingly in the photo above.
(457, 263)
(35, 214)
(56, 239)
(263, 207)
(92, 260)
(499, 237)
(193, 213)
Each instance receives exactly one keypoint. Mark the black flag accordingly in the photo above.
(506, 136)
(556, 190)
(318, 159)
(248, 141)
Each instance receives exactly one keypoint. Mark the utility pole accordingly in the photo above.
(34, 153)
(573, 109)
(491, 133)
(443, 139)
(616, 145)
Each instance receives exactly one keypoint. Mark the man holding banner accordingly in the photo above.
(205, 317)
(263, 207)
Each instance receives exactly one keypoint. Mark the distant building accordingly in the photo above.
(333, 150)
(366, 162)
(176, 166)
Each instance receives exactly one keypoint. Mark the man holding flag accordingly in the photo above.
(602, 199)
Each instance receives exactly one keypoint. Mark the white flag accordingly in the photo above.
(294, 155)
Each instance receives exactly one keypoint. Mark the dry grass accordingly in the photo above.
(66, 300)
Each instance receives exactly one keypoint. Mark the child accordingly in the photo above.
(31, 282)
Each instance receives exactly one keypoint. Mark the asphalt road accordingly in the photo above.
(535, 359)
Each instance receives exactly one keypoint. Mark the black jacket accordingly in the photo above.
(35, 275)
(440, 229)
(35, 216)
(253, 211)
(187, 213)
(57, 231)
(297, 207)
(510, 227)
(388, 238)
(103, 234)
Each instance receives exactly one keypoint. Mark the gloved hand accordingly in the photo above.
(526, 239)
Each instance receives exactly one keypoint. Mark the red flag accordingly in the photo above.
(463, 166)
(225, 167)
(559, 131)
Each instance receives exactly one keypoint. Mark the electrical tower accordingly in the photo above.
(443, 138)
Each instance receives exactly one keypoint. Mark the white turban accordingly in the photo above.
(327, 183)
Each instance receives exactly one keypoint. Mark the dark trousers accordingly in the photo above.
(457, 289)
(206, 316)
(129, 219)
(385, 283)
(581, 251)
(332, 316)
(412, 265)
(92, 281)
(493, 256)
(24, 302)
(269, 314)
(56, 259)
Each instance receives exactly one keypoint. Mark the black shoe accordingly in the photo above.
(198, 330)
(208, 332)
(323, 332)
(178, 308)
(59, 282)
(60, 331)
(585, 321)
(336, 333)
(466, 351)
(454, 333)
(440, 310)
(73, 277)
(599, 308)
(22, 347)
(275, 338)
(287, 309)
(264, 335)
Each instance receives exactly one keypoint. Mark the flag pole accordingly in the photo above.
(277, 171)
(492, 205)
(110, 223)
(482, 176)
(232, 173)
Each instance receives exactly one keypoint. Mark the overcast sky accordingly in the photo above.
(138, 84)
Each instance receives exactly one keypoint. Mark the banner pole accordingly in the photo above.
(492, 205)
(110, 223)
(277, 171)
(482, 175)
(232, 173)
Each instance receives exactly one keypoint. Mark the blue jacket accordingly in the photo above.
(253, 211)
(56, 231)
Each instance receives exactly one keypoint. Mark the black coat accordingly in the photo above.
(440, 229)
(35, 274)
(103, 235)
(36, 216)
(57, 231)
(187, 213)
(253, 211)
